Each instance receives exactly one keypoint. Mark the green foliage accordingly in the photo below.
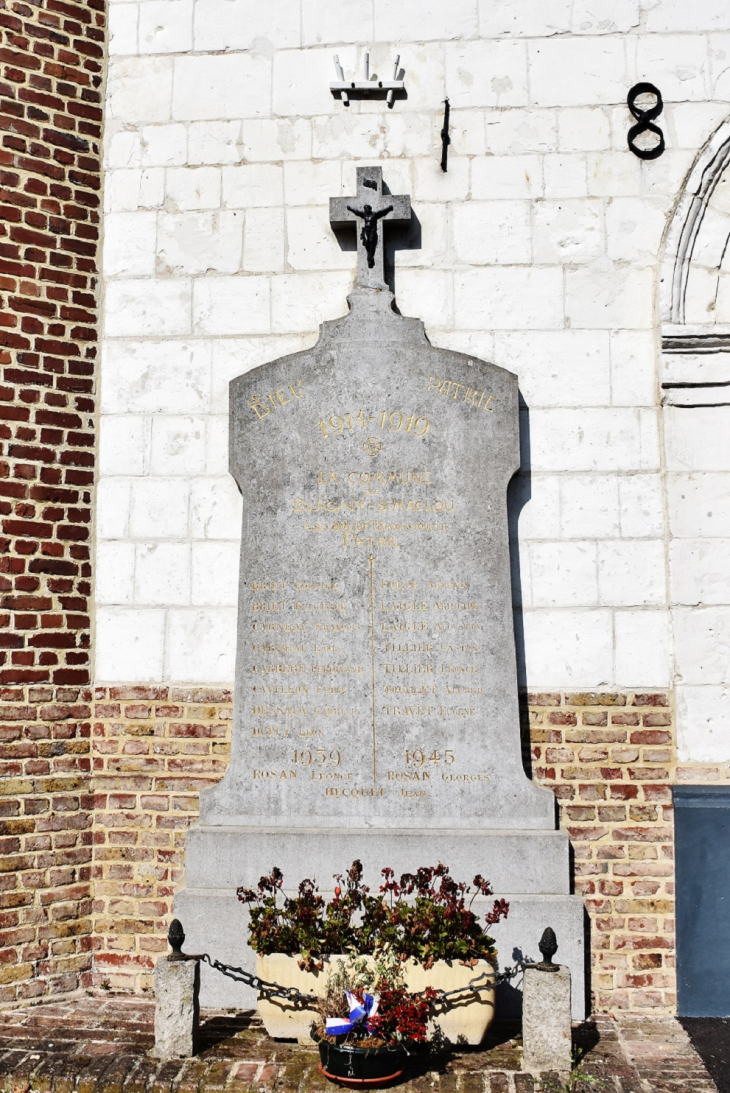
(426, 915)
(578, 1081)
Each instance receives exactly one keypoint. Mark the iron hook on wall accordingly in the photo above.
(445, 138)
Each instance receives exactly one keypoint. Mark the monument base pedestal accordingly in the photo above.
(530, 869)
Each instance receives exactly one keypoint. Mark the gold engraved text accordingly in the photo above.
(419, 758)
(319, 757)
(391, 421)
(262, 405)
(333, 791)
(475, 400)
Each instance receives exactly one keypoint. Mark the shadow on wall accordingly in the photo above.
(398, 237)
(519, 492)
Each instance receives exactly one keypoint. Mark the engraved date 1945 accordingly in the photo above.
(419, 757)
(390, 420)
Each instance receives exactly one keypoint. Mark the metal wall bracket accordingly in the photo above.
(645, 116)
(369, 86)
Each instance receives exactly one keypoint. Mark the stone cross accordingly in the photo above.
(376, 707)
(368, 211)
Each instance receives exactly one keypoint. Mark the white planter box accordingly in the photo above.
(463, 1019)
(284, 1019)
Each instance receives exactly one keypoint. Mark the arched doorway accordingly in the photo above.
(694, 300)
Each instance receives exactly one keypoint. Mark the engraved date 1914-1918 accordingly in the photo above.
(391, 420)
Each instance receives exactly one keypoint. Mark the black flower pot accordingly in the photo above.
(361, 1067)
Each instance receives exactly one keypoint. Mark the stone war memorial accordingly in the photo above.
(364, 495)
(376, 712)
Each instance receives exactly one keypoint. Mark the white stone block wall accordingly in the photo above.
(541, 250)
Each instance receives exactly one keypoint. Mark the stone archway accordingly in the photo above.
(695, 282)
(694, 306)
(694, 310)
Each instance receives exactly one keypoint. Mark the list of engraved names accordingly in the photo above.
(360, 682)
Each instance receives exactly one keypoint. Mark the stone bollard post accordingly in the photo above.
(177, 1009)
(546, 1024)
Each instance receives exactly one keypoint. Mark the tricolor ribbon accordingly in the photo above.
(360, 1013)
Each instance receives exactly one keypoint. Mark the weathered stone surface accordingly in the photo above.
(392, 208)
(177, 985)
(533, 865)
(376, 711)
(546, 1029)
(375, 680)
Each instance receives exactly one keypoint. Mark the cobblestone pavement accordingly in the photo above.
(101, 1045)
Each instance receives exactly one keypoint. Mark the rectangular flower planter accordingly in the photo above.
(463, 1018)
(284, 1018)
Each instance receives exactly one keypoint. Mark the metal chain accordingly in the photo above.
(291, 994)
(266, 989)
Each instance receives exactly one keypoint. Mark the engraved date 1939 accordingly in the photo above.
(319, 757)
(390, 420)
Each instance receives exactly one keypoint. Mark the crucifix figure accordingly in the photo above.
(369, 207)
(369, 233)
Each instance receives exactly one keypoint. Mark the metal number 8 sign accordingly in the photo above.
(645, 116)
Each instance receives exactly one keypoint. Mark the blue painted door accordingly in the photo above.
(702, 846)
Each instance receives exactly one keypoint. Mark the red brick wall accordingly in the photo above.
(154, 749)
(51, 72)
(609, 758)
(45, 841)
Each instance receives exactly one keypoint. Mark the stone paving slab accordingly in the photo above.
(101, 1045)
